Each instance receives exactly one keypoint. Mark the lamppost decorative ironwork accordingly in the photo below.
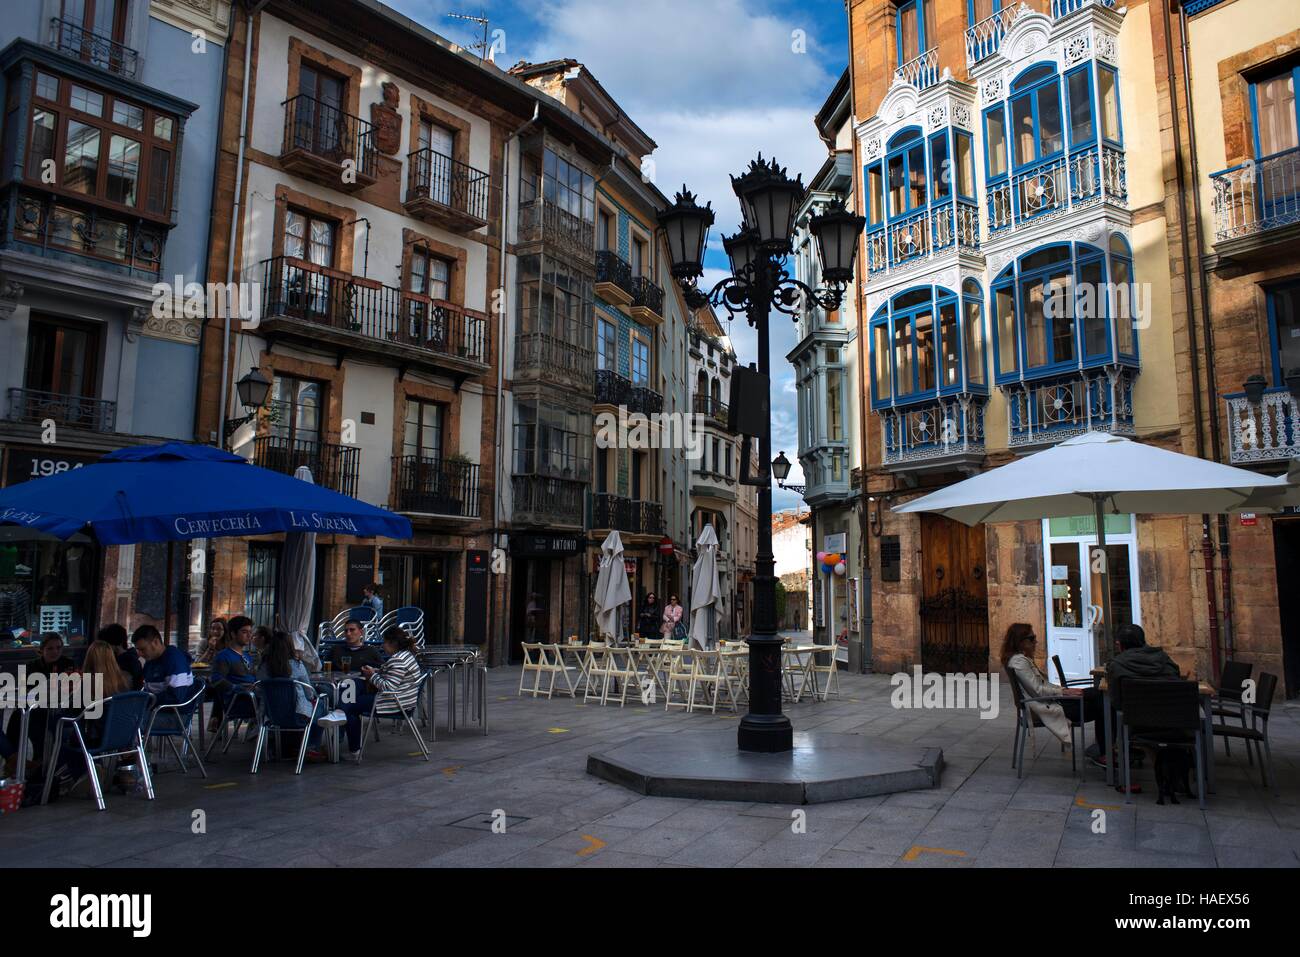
(781, 471)
(760, 283)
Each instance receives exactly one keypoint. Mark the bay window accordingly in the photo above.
(1036, 116)
(927, 343)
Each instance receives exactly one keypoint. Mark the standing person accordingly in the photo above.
(370, 598)
(649, 621)
(673, 619)
(167, 674)
(400, 674)
(127, 659)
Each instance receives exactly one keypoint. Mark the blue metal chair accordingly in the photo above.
(278, 698)
(409, 618)
(333, 629)
(240, 707)
(175, 723)
(121, 733)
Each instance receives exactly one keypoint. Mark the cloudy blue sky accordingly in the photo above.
(713, 82)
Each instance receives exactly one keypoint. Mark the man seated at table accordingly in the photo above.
(1136, 659)
(167, 673)
(354, 648)
(232, 666)
(116, 637)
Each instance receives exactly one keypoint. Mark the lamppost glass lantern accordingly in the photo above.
(686, 226)
(742, 250)
(837, 231)
(781, 467)
(769, 200)
(253, 389)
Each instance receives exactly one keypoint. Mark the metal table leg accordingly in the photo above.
(23, 723)
(1110, 737)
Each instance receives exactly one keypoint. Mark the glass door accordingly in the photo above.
(1073, 588)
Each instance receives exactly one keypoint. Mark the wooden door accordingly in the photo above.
(954, 597)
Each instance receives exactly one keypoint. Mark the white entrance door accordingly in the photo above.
(1072, 589)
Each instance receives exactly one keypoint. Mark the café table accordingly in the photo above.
(330, 683)
(797, 662)
(1206, 692)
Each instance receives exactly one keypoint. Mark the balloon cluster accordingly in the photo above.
(832, 563)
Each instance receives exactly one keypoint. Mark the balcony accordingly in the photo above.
(437, 486)
(1267, 432)
(613, 278)
(544, 222)
(332, 466)
(49, 225)
(647, 301)
(1048, 411)
(324, 144)
(953, 226)
(445, 192)
(319, 305)
(715, 410)
(74, 40)
(540, 500)
(540, 355)
(1087, 177)
(627, 515)
(945, 433)
(920, 71)
(613, 389)
(1257, 205)
(70, 411)
(985, 38)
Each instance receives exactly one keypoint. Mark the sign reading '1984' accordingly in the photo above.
(24, 465)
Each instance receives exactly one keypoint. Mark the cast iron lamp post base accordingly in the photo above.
(765, 728)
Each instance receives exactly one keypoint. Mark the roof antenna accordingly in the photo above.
(484, 50)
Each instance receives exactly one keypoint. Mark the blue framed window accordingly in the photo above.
(1284, 329)
(977, 10)
(1078, 99)
(874, 190)
(940, 167)
(1112, 127)
(1054, 309)
(915, 29)
(927, 342)
(1274, 113)
(995, 143)
(1036, 127)
(905, 173)
(963, 165)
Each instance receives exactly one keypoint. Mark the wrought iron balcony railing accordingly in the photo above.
(984, 38)
(1257, 196)
(709, 407)
(1085, 177)
(1051, 410)
(296, 289)
(614, 389)
(642, 398)
(42, 222)
(626, 515)
(648, 295)
(440, 179)
(72, 411)
(332, 466)
(324, 131)
(544, 222)
(437, 486)
(920, 71)
(541, 355)
(1267, 432)
(613, 268)
(950, 426)
(541, 500)
(1061, 8)
(72, 38)
(927, 232)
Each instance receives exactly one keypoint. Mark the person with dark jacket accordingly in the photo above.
(127, 659)
(1136, 659)
(354, 649)
(650, 619)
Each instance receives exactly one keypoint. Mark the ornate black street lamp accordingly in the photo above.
(759, 283)
(781, 471)
(252, 390)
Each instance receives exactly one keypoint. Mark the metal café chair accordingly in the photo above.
(1026, 721)
(121, 734)
(177, 718)
(370, 724)
(241, 707)
(279, 712)
(1254, 729)
(1160, 713)
(333, 629)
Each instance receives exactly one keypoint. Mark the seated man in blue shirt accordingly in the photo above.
(167, 673)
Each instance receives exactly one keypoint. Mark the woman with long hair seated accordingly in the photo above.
(100, 662)
(399, 675)
(1018, 658)
(279, 661)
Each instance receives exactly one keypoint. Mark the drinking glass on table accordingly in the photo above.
(327, 667)
(345, 663)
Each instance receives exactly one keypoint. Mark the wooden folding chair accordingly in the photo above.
(681, 674)
(553, 656)
(597, 671)
(706, 676)
(532, 664)
(829, 672)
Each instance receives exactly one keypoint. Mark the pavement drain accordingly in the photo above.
(484, 821)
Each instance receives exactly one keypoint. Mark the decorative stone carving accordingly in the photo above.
(176, 329)
(938, 116)
(873, 147)
(136, 317)
(10, 293)
(991, 90)
(961, 116)
(387, 121)
(1106, 47)
(1076, 48)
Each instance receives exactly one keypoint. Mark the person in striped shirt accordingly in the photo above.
(400, 674)
(167, 672)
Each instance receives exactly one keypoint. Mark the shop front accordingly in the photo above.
(545, 591)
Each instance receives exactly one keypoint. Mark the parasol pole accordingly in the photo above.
(1108, 644)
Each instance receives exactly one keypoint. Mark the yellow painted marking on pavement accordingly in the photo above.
(502, 697)
(1080, 802)
(223, 784)
(451, 771)
(415, 754)
(595, 845)
(557, 730)
(916, 850)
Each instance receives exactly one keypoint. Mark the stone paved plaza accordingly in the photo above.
(397, 810)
